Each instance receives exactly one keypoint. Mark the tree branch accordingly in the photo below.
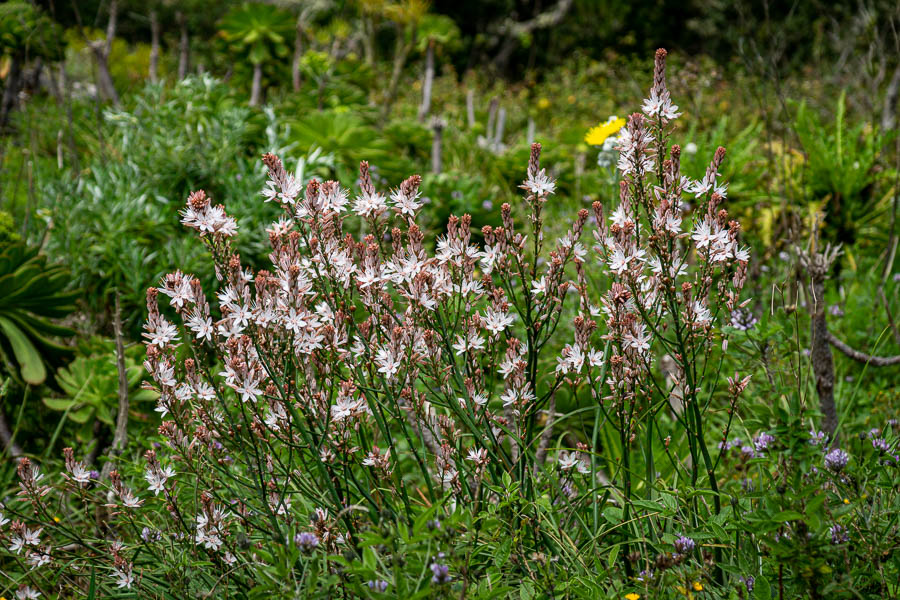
(875, 361)
(120, 439)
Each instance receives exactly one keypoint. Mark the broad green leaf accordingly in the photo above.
(31, 366)
(787, 515)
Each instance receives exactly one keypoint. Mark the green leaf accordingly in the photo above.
(30, 364)
(613, 555)
(259, 54)
(503, 551)
(761, 590)
(58, 403)
(787, 515)
(82, 415)
(719, 531)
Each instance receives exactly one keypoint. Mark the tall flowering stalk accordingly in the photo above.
(672, 283)
(362, 375)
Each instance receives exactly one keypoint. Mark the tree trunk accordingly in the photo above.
(401, 51)
(368, 41)
(154, 46)
(67, 97)
(104, 79)
(101, 56)
(822, 361)
(889, 111)
(492, 119)
(501, 125)
(11, 91)
(501, 60)
(59, 150)
(425, 108)
(256, 90)
(298, 54)
(32, 81)
(515, 31)
(818, 265)
(54, 86)
(184, 47)
(437, 126)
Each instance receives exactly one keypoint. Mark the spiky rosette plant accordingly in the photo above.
(32, 295)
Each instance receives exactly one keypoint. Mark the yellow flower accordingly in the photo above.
(597, 135)
(632, 596)
(571, 99)
(846, 501)
(56, 519)
(698, 587)
(543, 103)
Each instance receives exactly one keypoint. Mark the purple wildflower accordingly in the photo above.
(734, 443)
(782, 535)
(306, 541)
(743, 319)
(749, 581)
(880, 444)
(763, 441)
(836, 460)
(684, 545)
(377, 585)
(439, 573)
(839, 534)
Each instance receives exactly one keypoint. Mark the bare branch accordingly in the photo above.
(120, 439)
(875, 361)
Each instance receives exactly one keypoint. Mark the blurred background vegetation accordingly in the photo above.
(114, 110)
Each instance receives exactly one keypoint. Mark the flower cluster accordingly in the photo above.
(359, 365)
(836, 460)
